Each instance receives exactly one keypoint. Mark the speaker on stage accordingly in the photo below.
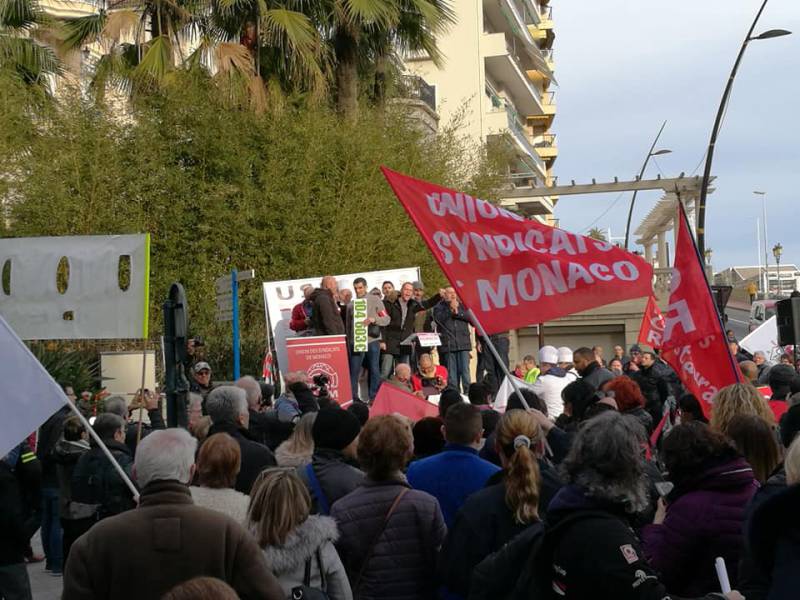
(788, 321)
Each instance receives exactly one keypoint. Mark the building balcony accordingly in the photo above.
(546, 13)
(418, 99)
(546, 146)
(508, 64)
(502, 120)
(530, 206)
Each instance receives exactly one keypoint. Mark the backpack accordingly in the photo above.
(96, 483)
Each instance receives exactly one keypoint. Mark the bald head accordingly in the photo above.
(329, 283)
(749, 370)
(402, 372)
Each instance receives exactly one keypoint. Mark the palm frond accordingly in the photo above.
(120, 23)
(234, 57)
(81, 31)
(378, 12)
(155, 63)
(19, 14)
(33, 62)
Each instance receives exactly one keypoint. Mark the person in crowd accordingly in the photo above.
(449, 397)
(478, 395)
(619, 354)
(457, 471)
(201, 379)
(702, 517)
(785, 359)
(300, 321)
(227, 407)
(690, 410)
(297, 545)
(267, 393)
(755, 441)
(763, 365)
(615, 365)
(605, 485)
(738, 399)
(750, 371)
(452, 325)
(218, 464)
(566, 360)
(148, 400)
(49, 435)
(515, 499)
(488, 370)
(376, 318)
(95, 482)
(421, 319)
(402, 307)
(530, 371)
(551, 382)
(489, 450)
(390, 534)
(259, 424)
(297, 450)
(780, 380)
(655, 379)
(296, 400)
(590, 370)
(428, 437)
(578, 398)
(169, 531)
(76, 518)
(429, 378)
(489, 419)
(738, 354)
(630, 400)
(325, 316)
(343, 299)
(201, 588)
(360, 410)
(331, 474)
(633, 364)
(387, 287)
(402, 378)
(598, 355)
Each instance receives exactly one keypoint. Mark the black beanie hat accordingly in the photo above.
(335, 428)
(780, 380)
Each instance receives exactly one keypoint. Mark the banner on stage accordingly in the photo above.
(323, 355)
(391, 400)
(512, 271)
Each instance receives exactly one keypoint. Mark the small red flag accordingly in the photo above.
(651, 332)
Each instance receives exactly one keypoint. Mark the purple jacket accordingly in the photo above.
(704, 520)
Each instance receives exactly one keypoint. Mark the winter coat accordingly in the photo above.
(452, 327)
(222, 500)
(325, 316)
(173, 540)
(644, 417)
(96, 482)
(300, 312)
(287, 458)
(255, 457)
(657, 383)
(336, 477)
(773, 537)
(398, 329)
(498, 575)
(596, 375)
(312, 540)
(49, 434)
(705, 518)
(401, 564)
(451, 476)
(416, 379)
(375, 311)
(66, 456)
(548, 387)
(20, 485)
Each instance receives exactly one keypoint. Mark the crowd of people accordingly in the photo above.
(602, 478)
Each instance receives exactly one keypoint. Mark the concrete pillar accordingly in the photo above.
(648, 252)
(662, 250)
(513, 348)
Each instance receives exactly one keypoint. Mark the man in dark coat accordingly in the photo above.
(656, 380)
(326, 318)
(589, 369)
(401, 308)
(452, 325)
(167, 531)
(227, 407)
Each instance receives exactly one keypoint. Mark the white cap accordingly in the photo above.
(548, 354)
(564, 355)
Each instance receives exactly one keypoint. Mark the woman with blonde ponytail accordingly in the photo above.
(512, 501)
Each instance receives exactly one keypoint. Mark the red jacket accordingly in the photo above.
(416, 379)
(299, 316)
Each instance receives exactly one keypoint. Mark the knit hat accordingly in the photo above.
(335, 428)
(564, 355)
(548, 354)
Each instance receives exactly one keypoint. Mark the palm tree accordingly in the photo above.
(20, 53)
(597, 234)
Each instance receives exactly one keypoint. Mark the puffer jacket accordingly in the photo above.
(453, 328)
(66, 455)
(312, 541)
(705, 517)
(401, 565)
(336, 476)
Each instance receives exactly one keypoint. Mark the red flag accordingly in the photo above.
(651, 331)
(266, 369)
(512, 271)
(391, 399)
(694, 342)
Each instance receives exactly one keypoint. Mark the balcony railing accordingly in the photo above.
(522, 180)
(547, 53)
(414, 86)
(546, 12)
(548, 140)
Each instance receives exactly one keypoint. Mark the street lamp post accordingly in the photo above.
(650, 154)
(765, 277)
(777, 250)
(701, 208)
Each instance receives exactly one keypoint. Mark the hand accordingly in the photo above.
(419, 394)
(632, 366)
(661, 512)
(542, 419)
(368, 321)
(150, 401)
(383, 346)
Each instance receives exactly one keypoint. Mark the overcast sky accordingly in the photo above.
(625, 66)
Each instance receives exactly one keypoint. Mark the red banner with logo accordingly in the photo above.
(323, 355)
(651, 332)
(512, 271)
(694, 341)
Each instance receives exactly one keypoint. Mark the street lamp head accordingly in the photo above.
(757, 193)
(661, 152)
(777, 250)
(772, 33)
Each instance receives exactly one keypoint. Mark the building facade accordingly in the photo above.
(496, 80)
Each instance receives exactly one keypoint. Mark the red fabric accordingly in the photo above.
(694, 342)
(416, 380)
(651, 331)
(298, 322)
(391, 399)
(778, 406)
(512, 271)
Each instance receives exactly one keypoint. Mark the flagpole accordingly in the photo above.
(496, 355)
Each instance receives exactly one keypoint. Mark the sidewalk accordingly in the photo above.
(43, 585)
(739, 305)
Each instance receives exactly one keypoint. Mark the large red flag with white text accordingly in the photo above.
(511, 271)
(694, 341)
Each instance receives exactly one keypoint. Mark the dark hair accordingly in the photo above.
(73, 428)
(428, 437)
(583, 352)
(478, 394)
(201, 588)
(530, 397)
(627, 393)
(360, 280)
(690, 447)
(387, 281)
(490, 419)
(450, 397)
(360, 410)
(107, 424)
(579, 395)
(267, 392)
(689, 404)
(755, 439)
(384, 446)
(462, 424)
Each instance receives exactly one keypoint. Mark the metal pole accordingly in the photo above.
(701, 207)
(778, 268)
(541, 334)
(766, 252)
(758, 255)
(235, 316)
(641, 174)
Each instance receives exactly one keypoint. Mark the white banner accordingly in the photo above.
(505, 391)
(765, 339)
(280, 297)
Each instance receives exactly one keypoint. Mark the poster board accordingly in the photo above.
(323, 355)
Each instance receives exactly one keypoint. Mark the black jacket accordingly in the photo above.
(452, 327)
(398, 330)
(132, 428)
(325, 317)
(657, 382)
(255, 457)
(96, 481)
(49, 434)
(20, 485)
(67, 455)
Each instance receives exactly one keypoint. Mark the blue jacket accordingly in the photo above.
(451, 476)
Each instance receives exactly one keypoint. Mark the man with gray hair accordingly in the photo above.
(168, 532)
(228, 409)
(119, 406)
(764, 367)
(259, 422)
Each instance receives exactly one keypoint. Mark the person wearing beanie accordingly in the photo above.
(552, 381)
(331, 474)
(634, 363)
(566, 362)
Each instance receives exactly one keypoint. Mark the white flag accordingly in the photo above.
(505, 391)
(28, 395)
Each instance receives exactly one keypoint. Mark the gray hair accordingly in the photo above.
(107, 424)
(195, 399)
(607, 459)
(251, 389)
(116, 405)
(760, 353)
(165, 455)
(225, 403)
